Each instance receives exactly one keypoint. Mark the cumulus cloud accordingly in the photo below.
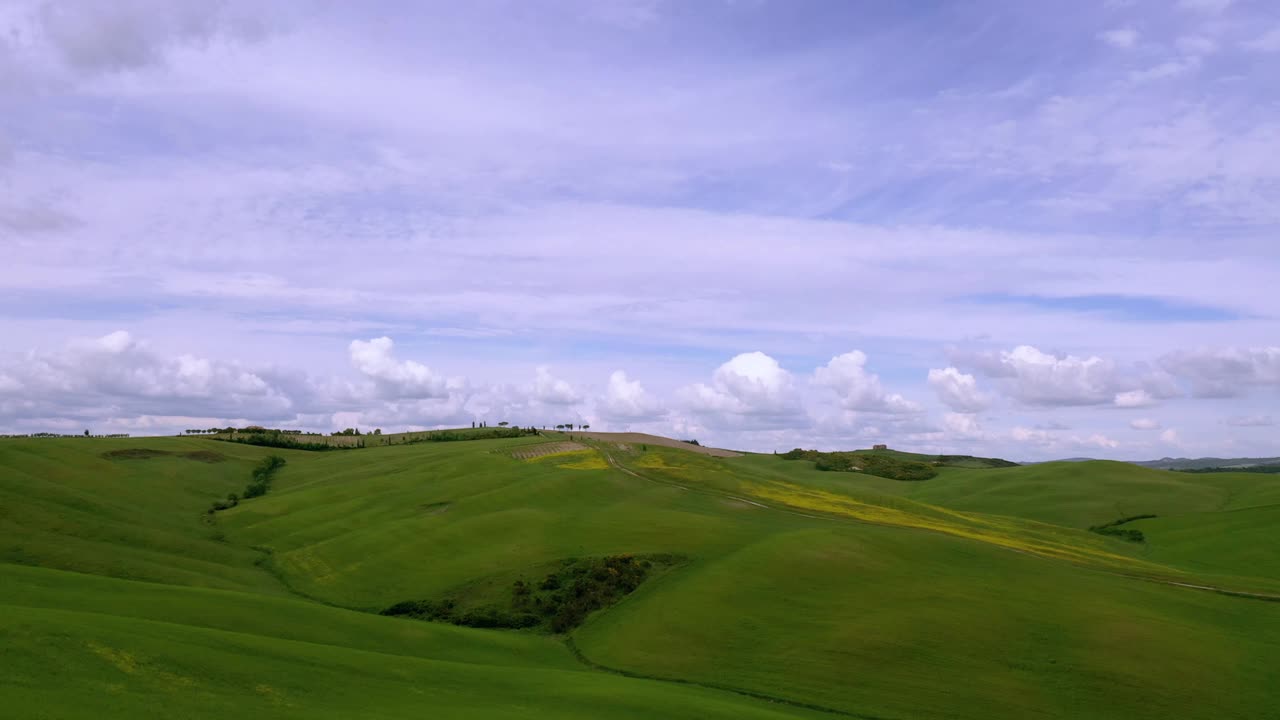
(1170, 437)
(963, 426)
(847, 376)
(118, 376)
(397, 378)
(1144, 424)
(1225, 372)
(751, 391)
(1037, 378)
(551, 390)
(626, 400)
(959, 391)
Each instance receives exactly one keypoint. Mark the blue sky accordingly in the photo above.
(989, 227)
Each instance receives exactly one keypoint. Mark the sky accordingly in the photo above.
(1004, 228)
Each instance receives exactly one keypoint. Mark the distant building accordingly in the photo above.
(880, 447)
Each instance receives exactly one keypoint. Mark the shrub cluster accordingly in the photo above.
(559, 602)
(261, 482)
(283, 439)
(1263, 469)
(1113, 529)
(883, 466)
(482, 433)
(257, 487)
(60, 435)
(972, 460)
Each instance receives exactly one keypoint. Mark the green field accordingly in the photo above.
(979, 593)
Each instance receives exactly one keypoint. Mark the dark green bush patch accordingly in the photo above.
(558, 602)
(869, 463)
(257, 487)
(134, 454)
(1113, 529)
(205, 456)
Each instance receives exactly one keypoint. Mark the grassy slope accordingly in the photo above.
(156, 651)
(893, 623)
(77, 644)
(1219, 526)
(410, 522)
(876, 620)
(63, 505)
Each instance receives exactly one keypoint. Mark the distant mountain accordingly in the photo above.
(1206, 462)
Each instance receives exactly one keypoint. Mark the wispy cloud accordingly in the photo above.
(631, 187)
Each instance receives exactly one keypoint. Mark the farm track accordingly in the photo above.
(532, 452)
(1244, 594)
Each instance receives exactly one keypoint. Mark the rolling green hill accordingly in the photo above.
(978, 593)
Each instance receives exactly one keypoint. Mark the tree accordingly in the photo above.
(585, 427)
(377, 431)
(504, 423)
(86, 433)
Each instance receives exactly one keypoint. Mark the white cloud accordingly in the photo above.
(1038, 378)
(1225, 372)
(394, 378)
(1098, 440)
(1144, 424)
(958, 390)
(552, 390)
(626, 400)
(1119, 38)
(1170, 437)
(963, 426)
(1032, 436)
(1052, 442)
(1134, 399)
(751, 391)
(847, 376)
(115, 375)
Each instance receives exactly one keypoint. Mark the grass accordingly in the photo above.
(146, 651)
(979, 593)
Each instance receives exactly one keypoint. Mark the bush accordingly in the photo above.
(884, 466)
(1113, 529)
(257, 487)
(560, 602)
